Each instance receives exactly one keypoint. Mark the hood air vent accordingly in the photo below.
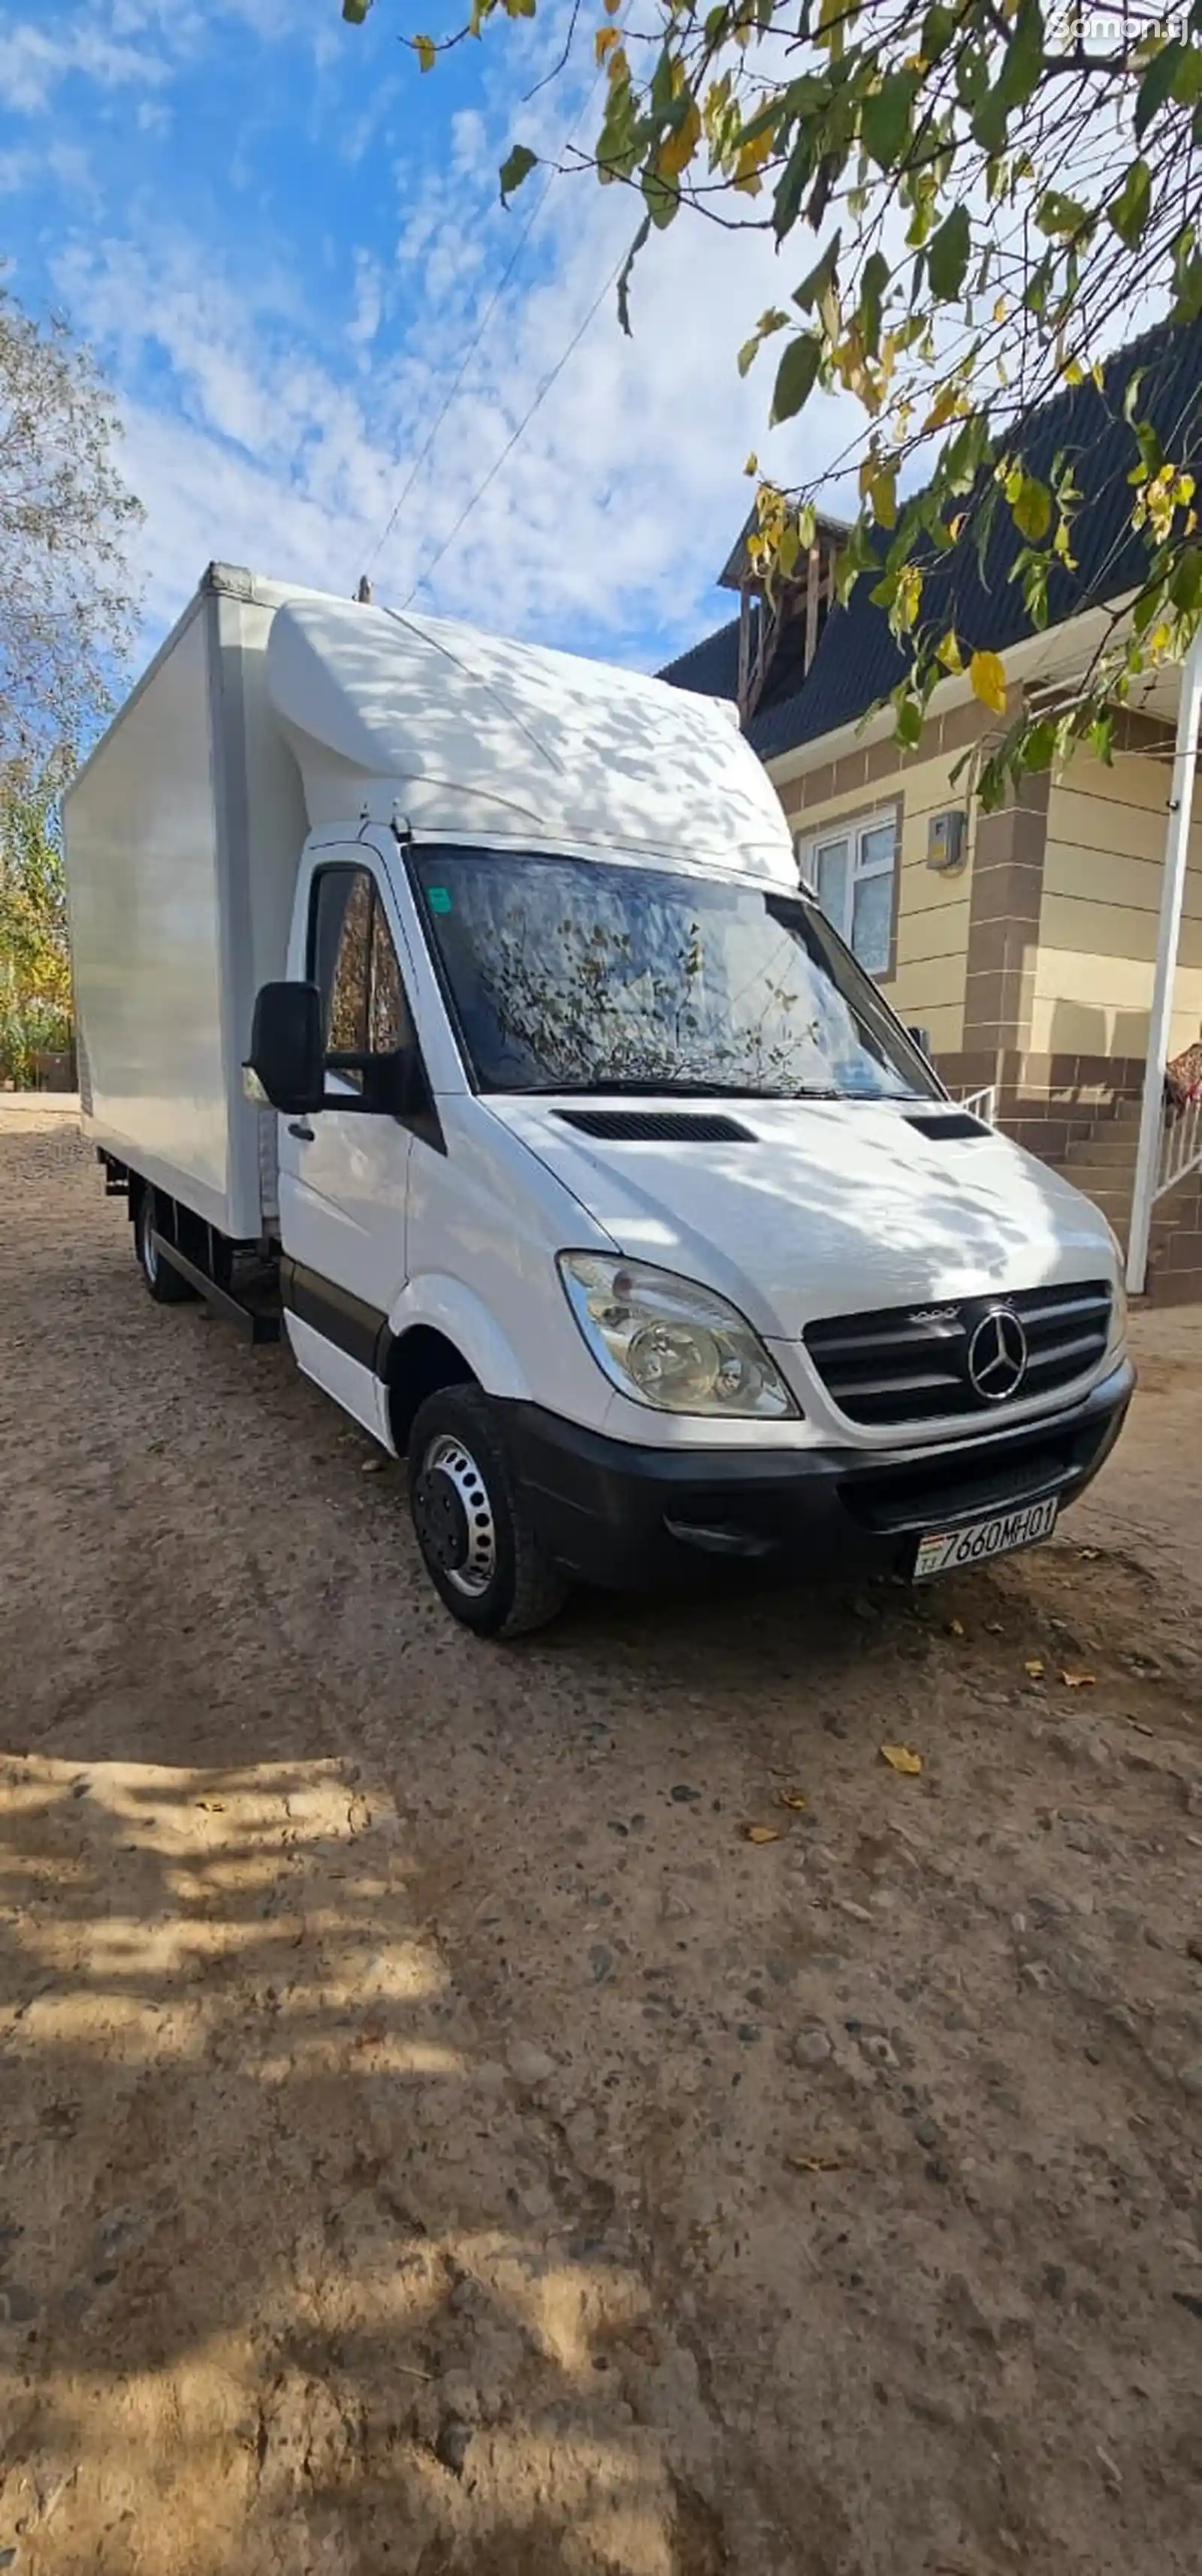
(946, 1129)
(656, 1127)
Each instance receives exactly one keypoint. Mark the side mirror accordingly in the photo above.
(286, 1047)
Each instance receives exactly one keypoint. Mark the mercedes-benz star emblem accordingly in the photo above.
(997, 1356)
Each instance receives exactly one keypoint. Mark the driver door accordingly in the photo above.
(344, 1174)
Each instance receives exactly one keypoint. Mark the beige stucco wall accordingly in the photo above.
(1098, 918)
(932, 911)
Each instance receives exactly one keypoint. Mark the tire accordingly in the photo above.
(164, 1284)
(471, 1520)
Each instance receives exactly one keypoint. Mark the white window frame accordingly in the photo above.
(854, 828)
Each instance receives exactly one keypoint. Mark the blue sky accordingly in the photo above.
(281, 237)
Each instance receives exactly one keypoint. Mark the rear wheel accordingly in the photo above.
(163, 1281)
(473, 1527)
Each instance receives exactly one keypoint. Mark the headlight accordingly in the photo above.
(670, 1343)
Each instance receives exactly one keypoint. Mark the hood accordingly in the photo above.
(819, 1208)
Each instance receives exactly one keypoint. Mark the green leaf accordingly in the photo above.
(1031, 508)
(1187, 82)
(1156, 87)
(1022, 63)
(948, 254)
(1040, 746)
(662, 201)
(518, 166)
(1185, 587)
(938, 27)
(795, 377)
(885, 117)
(907, 731)
(821, 276)
(1057, 213)
(1129, 211)
(872, 289)
(640, 240)
(355, 11)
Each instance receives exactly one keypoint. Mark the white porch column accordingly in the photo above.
(1172, 895)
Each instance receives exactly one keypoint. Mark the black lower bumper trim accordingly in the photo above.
(634, 1519)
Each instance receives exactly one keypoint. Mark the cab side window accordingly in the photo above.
(354, 964)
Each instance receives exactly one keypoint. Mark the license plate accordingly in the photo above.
(939, 1551)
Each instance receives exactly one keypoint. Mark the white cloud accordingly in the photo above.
(33, 62)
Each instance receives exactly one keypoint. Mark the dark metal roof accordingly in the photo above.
(858, 661)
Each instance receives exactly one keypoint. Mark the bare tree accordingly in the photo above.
(66, 520)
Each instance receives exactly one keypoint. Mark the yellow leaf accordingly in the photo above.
(761, 1834)
(815, 2164)
(794, 1798)
(604, 38)
(425, 49)
(750, 162)
(944, 405)
(1001, 309)
(988, 679)
(617, 68)
(677, 150)
(612, 7)
(1074, 1680)
(882, 492)
(955, 1627)
(1033, 1668)
(900, 1758)
(948, 652)
(753, 464)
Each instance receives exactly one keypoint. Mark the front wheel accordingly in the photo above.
(165, 1283)
(473, 1528)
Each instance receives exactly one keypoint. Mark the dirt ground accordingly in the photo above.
(436, 2142)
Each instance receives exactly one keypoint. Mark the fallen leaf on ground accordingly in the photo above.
(955, 1627)
(815, 2164)
(1033, 1668)
(761, 1834)
(212, 1806)
(795, 1798)
(1140, 1728)
(373, 1466)
(900, 1758)
(1075, 1680)
(1089, 1555)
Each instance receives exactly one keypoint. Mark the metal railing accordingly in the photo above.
(1180, 1146)
(982, 1104)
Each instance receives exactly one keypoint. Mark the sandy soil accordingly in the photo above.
(435, 2142)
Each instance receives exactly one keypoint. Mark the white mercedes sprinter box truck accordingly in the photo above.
(459, 1001)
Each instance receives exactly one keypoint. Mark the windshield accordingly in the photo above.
(583, 975)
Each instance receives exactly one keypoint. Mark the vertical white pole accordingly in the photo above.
(1172, 894)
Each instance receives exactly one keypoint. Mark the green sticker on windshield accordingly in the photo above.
(438, 898)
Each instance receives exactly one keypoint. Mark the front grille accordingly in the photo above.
(657, 1126)
(910, 1364)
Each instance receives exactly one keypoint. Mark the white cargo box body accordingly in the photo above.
(183, 835)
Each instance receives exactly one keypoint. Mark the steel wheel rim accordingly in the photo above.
(455, 1516)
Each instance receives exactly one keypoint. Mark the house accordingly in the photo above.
(1023, 942)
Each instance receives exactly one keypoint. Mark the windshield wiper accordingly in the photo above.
(634, 1086)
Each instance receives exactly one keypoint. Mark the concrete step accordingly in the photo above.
(1112, 1152)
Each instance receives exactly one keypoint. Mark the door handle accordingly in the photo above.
(303, 1133)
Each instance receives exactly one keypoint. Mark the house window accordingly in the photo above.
(853, 868)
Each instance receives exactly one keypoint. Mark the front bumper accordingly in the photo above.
(635, 1519)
